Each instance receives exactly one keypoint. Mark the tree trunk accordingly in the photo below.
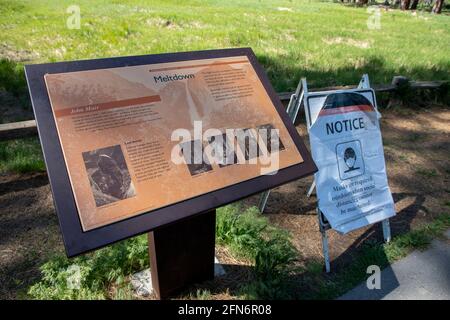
(414, 4)
(437, 8)
(405, 4)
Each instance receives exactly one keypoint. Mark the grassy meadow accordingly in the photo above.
(327, 42)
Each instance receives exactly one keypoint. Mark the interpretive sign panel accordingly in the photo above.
(138, 142)
(352, 186)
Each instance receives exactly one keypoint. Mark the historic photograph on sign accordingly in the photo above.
(223, 152)
(193, 155)
(249, 144)
(270, 134)
(108, 175)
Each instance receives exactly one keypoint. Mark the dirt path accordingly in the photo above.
(29, 231)
(417, 149)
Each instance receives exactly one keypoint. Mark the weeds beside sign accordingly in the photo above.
(346, 144)
(134, 143)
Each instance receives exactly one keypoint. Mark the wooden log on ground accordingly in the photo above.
(377, 87)
(16, 130)
(23, 129)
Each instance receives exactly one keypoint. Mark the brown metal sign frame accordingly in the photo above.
(75, 240)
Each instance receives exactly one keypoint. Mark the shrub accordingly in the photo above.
(90, 276)
(250, 235)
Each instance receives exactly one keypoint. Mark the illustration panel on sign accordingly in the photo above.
(350, 159)
(108, 175)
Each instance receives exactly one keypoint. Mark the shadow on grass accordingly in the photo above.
(12, 77)
(376, 67)
(285, 77)
(34, 181)
(15, 104)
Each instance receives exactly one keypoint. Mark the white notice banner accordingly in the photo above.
(346, 145)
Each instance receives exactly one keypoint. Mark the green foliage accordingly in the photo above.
(250, 235)
(274, 257)
(429, 173)
(12, 77)
(332, 46)
(269, 248)
(247, 233)
(201, 295)
(21, 155)
(36, 32)
(331, 287)
(241, 231)
(94, 273)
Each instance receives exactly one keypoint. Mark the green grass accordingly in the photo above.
(382, 255)
(12, 78)
(99, 271)
(247, 233)
(21, 155)
(327, 42)
(428, 173)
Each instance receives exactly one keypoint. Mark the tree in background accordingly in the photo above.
(414, 4)
(404, 4)
(437, 8)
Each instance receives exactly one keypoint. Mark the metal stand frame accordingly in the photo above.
(294, 106)
(292, 109)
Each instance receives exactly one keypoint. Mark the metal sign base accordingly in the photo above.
(182, 253)
(295, 104)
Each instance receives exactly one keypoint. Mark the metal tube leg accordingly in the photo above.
(326, 255)
(386, 230)
(323, 232)
(311, 189)
(263, 200)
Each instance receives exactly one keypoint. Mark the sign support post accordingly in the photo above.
(323, 227)
(182, 253)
